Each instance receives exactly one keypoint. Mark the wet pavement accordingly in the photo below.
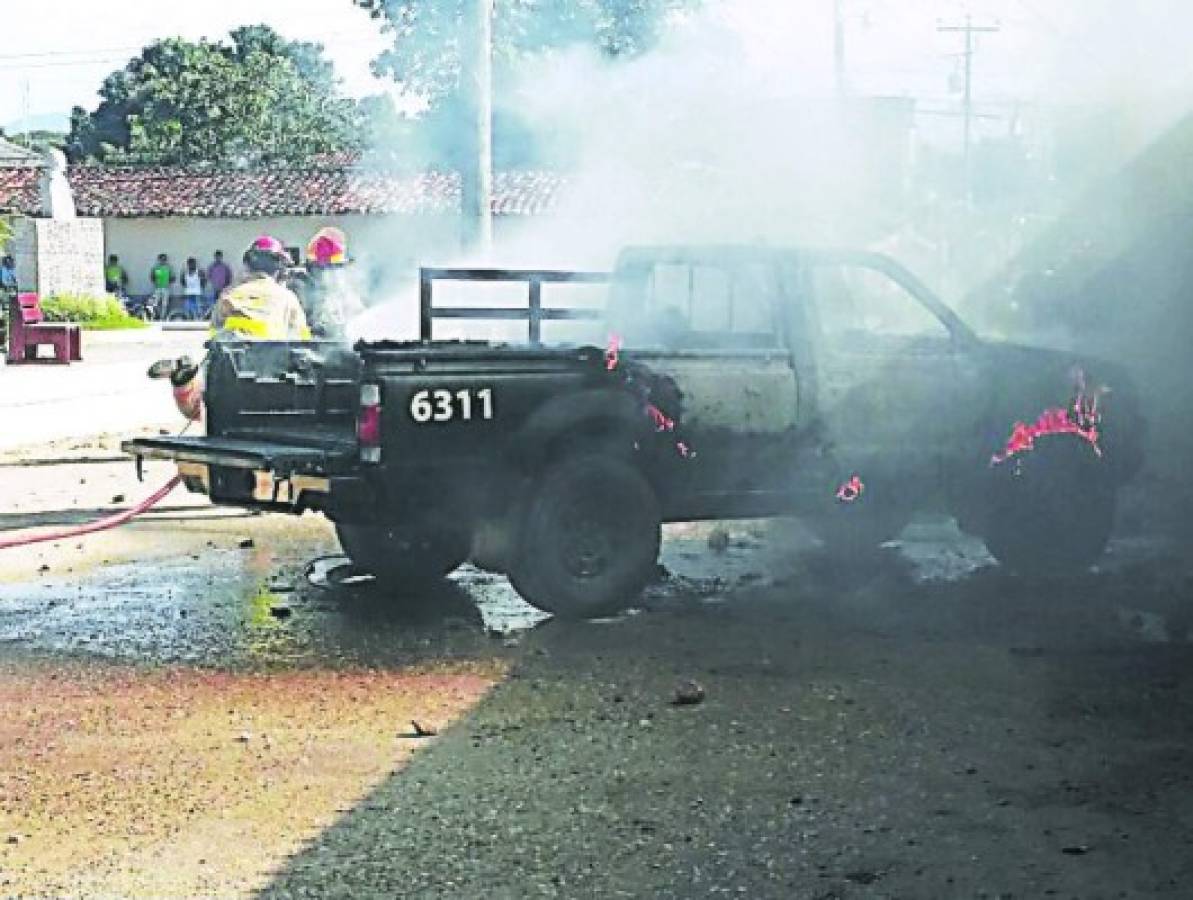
(302, 604)
(912, 724)
(258, 658)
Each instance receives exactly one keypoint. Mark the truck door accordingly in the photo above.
(713, 329)
(892, 379)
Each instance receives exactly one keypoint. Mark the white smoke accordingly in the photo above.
(732, 131)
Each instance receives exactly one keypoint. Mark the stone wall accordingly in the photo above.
(23, 249)
(69, 256)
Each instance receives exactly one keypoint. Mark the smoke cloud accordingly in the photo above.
(732, 131)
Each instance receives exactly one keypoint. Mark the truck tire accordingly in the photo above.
(402, 556)
(590, 539)
(1050, 509)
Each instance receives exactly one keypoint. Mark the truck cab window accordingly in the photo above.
(709, 306)
(855, 299)
(758, 294)
(711, 300)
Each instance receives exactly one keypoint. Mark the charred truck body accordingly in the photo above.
(720, 382)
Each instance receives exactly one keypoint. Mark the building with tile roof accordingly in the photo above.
(20, 171)
(395, 220)
(165, 192)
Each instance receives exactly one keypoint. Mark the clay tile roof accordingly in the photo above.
(19, 190)
(14, 155)
(332, 190)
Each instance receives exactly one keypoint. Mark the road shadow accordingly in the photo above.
(860, 731)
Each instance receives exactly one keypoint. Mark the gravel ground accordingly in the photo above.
(875, 735)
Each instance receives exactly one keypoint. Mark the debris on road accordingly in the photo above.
(119, 498)
(688, 693)
(423, 731)
(718, 540)
(281, 611)
(247, 544)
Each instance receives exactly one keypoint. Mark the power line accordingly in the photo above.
(52, 53)
(969, 30)
(71, 64)
(105, 53)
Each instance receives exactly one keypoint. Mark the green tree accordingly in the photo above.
(257, 99)
(425, 56)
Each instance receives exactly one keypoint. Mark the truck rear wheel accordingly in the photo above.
(590, 538)
(1050, 509)
(399, 555)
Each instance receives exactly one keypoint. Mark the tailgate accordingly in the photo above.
(238, 453)
(244, 472)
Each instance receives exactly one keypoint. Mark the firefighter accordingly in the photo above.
(324, 288)
(258, 308)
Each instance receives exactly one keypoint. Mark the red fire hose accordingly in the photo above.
(98, 525)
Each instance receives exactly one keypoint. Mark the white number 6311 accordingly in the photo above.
(443, 406)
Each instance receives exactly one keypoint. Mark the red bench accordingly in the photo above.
(28, 330)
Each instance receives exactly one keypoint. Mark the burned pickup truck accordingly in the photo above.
(710, 383)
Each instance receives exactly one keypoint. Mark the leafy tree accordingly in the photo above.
(432, 140)
(259, 99)
(425, 60)
(425, 56)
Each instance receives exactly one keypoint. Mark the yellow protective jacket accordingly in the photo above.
(260, 308)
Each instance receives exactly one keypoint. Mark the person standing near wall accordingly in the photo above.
(219, 274)
(161, 276)
(194, 280)
(8, 277)
(8, 290)
(115, 278)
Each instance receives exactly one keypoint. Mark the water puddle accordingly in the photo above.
(229, 609)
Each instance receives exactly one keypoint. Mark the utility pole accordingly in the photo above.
(476, 81)
(26, 114)
(969, 30)
(839, 46)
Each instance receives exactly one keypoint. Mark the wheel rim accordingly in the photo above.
(588, 550)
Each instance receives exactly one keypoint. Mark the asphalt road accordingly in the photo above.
(864, 733)
(106, 392)
(191, 707)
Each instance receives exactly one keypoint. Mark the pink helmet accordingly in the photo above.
(328, 247)
(266, 254)
(269, 244)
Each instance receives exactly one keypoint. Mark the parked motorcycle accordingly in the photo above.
(182, 314)
(144, 308)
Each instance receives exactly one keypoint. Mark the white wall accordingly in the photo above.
(388, 248)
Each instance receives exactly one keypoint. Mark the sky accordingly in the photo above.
(1046, 50)
(46, 69)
